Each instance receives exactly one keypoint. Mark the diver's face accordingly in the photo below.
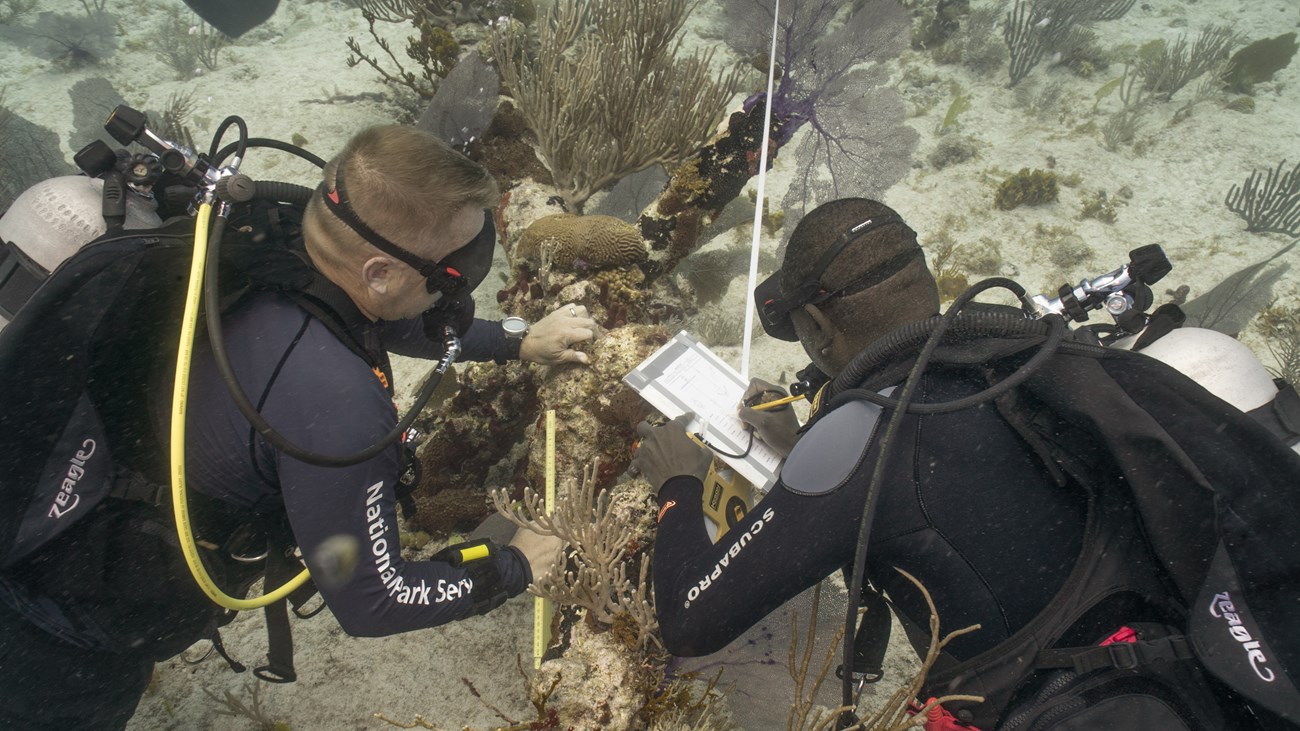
(410, 295)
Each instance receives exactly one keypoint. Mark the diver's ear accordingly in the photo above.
(814, 328)
(377, 274)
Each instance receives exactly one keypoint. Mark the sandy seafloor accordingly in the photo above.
(1178, 183)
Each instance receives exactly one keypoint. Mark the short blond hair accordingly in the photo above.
(404, 183)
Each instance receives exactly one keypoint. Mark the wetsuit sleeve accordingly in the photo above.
(344, 519)
(483, 341)
(708, 594)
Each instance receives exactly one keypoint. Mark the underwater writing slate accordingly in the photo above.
(683, 376)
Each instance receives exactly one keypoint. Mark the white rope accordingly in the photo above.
(759, 200)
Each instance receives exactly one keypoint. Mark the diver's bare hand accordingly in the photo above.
(551, 339)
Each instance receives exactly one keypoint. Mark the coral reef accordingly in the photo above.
(952, 150)
(478, 428)
(579, 243)
(606, 94)
(506, 149)
(1026, 188)
(602, 536)
(434, 48)
(1281, 326)
(701, 188)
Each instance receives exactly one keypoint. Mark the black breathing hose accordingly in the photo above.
(295, 195)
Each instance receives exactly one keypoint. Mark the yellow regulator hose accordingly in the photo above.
(180, 506)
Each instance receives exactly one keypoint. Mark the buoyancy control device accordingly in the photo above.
(98, 276)
(1214, 493)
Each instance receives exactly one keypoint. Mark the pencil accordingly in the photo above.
(773, 404)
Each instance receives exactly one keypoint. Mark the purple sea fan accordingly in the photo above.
(831, 57)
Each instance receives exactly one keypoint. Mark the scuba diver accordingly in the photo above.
(1084, 506)
(94, 592)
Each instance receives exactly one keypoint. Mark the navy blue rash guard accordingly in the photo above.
(323, 397)
(965, 507)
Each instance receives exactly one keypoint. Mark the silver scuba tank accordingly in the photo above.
(49, 223)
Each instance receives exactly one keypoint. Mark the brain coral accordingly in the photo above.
(578, 243)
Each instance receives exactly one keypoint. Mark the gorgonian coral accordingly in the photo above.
(830, 57)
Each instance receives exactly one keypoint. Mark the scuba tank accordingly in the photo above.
(49, 223)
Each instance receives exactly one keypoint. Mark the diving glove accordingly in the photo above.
(778, 427)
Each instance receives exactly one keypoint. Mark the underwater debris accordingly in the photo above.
(606, 94)
(1268, 203)
(1026, 188)
(581, 243)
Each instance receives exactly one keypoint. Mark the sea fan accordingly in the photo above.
(830, 60)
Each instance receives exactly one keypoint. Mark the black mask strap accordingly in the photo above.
(338, 203)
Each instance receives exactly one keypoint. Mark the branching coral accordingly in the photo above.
(1268, 202)
(1167, 67)
(434, 49)
(186, 44)
(606, 93)
(592, 573)
(1038, 28)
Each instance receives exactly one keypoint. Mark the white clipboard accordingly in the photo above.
(683, 376)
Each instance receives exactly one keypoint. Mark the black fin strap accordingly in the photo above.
(220, 647)
(871, 641)
(279, 656)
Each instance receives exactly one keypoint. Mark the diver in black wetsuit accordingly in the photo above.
(965, 504)
(62, 662)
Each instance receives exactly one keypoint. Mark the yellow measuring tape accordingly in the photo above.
(543, 608)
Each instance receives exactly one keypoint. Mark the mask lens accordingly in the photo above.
(773, 310)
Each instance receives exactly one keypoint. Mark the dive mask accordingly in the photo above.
(775, 305)
(459, 272)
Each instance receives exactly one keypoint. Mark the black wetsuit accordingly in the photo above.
(60, 668)
(965, 507)
(320, 395)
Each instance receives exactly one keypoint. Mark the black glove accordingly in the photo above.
(667, 452)
(778, 427)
